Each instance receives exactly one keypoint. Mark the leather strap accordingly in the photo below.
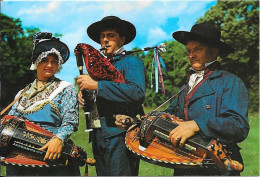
(11, 104)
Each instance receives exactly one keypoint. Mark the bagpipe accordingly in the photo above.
(99, 68)
(20, 142)
(97, 65)
(150, 140)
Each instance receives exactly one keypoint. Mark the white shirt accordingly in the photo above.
(196, 77)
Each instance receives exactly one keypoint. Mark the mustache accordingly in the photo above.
(104, 48)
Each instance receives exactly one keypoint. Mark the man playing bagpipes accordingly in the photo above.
(51, 104)
(213, 104)
(122, 95)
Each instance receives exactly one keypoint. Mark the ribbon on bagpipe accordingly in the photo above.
(157, 63)
(20, 142)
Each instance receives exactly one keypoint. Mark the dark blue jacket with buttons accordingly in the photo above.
(121, 98)
(219, 107)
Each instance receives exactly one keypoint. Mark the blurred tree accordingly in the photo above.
(239, 22)
(16, 49)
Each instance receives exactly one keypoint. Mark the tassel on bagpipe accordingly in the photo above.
(156, 63)
(100, 68)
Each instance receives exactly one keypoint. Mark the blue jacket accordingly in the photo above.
(219, 107)
(121, 98)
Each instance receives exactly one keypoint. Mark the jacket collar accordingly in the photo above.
(211, 66)
(206, 89)
(118, 56)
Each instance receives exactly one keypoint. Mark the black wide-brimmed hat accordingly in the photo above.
(44, 42)
(203, 32)
(126, 28)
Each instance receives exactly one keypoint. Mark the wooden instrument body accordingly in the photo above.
(20, 142)
(151, 142)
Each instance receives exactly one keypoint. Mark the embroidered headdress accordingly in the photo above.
(44, 44)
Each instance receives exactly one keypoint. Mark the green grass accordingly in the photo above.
(250, 151)
(250, 148)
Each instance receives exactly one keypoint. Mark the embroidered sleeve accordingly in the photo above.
(69, 112)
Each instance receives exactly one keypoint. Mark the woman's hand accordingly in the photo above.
(54, 149)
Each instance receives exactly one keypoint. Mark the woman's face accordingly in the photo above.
(47, 68)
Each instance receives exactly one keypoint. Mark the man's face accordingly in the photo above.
(200, 54)
(110, 39)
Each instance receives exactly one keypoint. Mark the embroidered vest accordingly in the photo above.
(45, 112)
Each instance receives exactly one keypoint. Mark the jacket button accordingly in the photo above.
(207, 106)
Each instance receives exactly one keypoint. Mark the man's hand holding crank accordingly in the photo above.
(123, 121)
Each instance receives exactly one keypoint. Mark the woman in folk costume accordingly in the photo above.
(49, 102)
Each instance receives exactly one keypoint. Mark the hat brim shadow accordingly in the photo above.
(126, 28)
(185, 36)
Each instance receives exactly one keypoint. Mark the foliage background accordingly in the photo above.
(239, 22)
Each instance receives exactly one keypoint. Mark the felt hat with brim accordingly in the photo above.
(44, 42)
(204, 33)
(125, 28)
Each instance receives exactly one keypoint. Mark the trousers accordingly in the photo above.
(112, 156)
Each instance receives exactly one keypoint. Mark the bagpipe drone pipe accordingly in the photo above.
(99, 68)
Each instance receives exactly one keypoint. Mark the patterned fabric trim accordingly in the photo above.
(40, 107)
(51, 91)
